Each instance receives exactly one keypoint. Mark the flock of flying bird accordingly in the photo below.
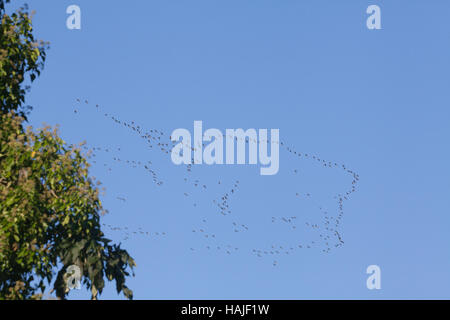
(327, 229)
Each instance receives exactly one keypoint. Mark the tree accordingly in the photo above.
(49, 205)
(21, 55)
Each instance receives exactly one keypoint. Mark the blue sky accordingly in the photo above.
(376, 101)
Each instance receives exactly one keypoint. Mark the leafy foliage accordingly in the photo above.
(50, 213)
(20, 56)
(49, 206)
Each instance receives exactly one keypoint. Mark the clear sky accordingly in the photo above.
(376, 101)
